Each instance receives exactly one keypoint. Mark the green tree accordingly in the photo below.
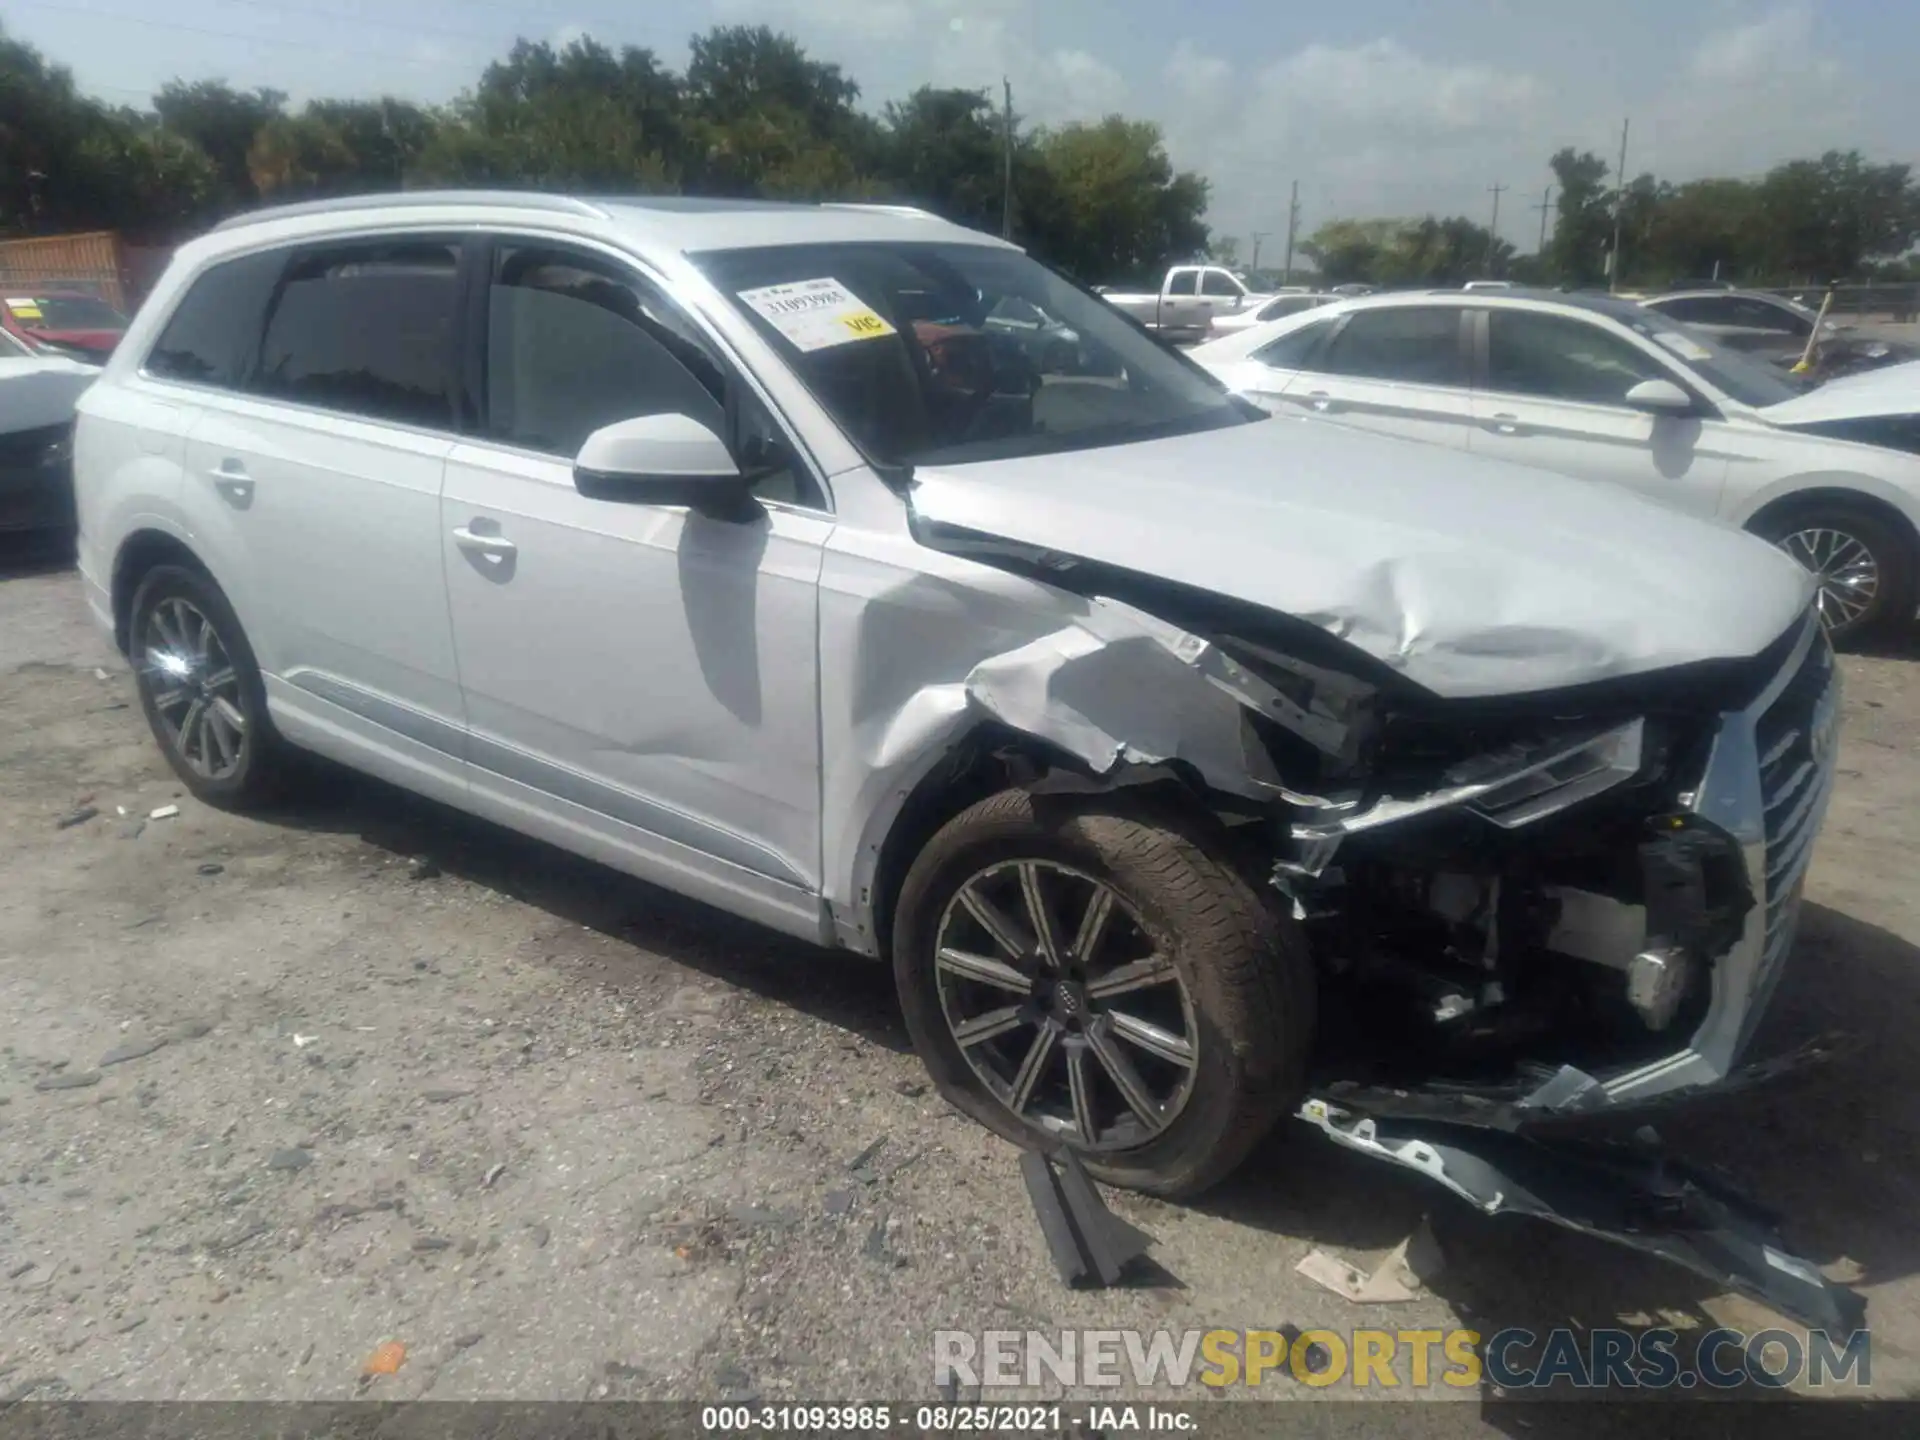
(765, 118)
(944, 149)
(1822, 220)
(579, 117)
(1584, 228)
(1103, 202)
(1428, 251)
(223, 122)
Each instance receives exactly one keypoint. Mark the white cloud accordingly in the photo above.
(568, 34)
(874, 20)
(1768, 45)
(1076, 86)
(1748, 97)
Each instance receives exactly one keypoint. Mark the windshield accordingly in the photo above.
(910, 349)
(66, 312)
(1751, 382)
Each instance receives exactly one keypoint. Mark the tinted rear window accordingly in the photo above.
(214, 335)
(366, 329)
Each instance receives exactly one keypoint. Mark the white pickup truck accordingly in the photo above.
(1188, 300)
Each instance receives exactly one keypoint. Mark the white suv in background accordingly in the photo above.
(1602, 389)
(729, 544)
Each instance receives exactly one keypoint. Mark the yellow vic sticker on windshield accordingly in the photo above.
(24, 309)
(815, 314)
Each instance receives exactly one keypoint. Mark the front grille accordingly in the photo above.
(1795, 738)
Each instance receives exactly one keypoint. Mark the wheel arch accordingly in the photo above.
(1859, 492)
(986, 760)
(138, 554)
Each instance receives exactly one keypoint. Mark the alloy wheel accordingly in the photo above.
(1064, 1006)
(1849, 575)
(194, 687)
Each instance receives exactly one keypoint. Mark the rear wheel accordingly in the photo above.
(1863, 564)
(1095, 975)
(200, 689)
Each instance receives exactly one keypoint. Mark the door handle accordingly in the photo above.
(490, 547)
(231, 480)
(1504, 424)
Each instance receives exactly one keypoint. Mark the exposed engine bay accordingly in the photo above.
(1525, 913)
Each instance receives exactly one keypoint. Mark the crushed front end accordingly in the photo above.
(1527, 918)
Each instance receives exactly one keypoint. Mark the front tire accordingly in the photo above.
(1864, 565)
(1092, 973)
(201, 691)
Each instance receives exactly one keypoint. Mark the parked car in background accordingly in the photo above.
(1875, 407)
(38, 390)
(1488, 285)
(1776, 329)
(705, 538)
(1190, 299)
(75, 323)
(1287, 302)
(1603, 389)
(1050, 345)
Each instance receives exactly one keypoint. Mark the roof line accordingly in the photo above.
(408, 199)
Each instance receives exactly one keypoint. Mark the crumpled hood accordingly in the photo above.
(1869, 395)
(40, 391)
(1472, 577)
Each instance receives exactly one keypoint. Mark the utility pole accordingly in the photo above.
(1293, 224)
(1258, 236)
(1545, 205)
(1619, 203)
(1493, 229)
(1006, 189)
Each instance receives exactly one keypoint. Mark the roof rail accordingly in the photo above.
(912, 212)
(513, 199)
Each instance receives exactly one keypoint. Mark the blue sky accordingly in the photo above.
(1377, 107)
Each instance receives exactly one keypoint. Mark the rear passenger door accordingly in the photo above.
(322, 467)
(1399, 370)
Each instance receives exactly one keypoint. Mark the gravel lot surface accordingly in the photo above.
(275, 1091)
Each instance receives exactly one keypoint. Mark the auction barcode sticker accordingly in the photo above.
(814, 314)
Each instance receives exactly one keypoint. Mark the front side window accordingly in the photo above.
(366, 329)
(1183, 282)
(1417, 344)
(898, 342)
(576, 342)
(1759, 315)
(1695, 309)
(1214, 282)
(213, 335)
(1559, 358)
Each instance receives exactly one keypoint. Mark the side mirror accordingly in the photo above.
(668, 459)
(1660, 397)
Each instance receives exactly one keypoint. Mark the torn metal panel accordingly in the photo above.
(1469, 577)
(913, 659)
(1631, 1195)
(1510, 789)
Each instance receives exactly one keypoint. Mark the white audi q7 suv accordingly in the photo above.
(1191, 767)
